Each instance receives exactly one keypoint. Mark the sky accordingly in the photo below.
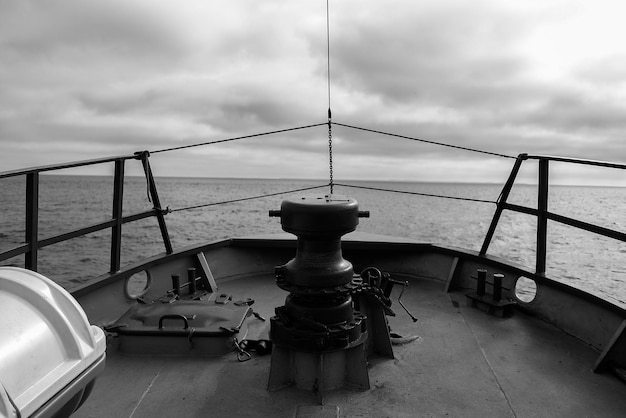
(89, 79)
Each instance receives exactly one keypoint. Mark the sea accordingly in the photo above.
(207, 209)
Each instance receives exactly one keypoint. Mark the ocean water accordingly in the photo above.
(579, 258)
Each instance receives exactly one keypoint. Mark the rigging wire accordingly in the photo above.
(328, 53)
(379, 189)
(330, 124)
(245, 198)
(425, 141)
(238, 138)
(331, 183)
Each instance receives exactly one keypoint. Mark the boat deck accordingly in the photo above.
(464, 363)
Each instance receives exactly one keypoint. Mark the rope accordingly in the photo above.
(425, 141)
(246, 198)
(467, 199)
(238, 138)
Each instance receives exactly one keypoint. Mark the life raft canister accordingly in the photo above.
(49, 353)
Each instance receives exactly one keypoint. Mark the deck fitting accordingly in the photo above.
(503, 308)
(320, 339)
(492, 303)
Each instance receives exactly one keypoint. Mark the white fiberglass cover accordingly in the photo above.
(46, 340)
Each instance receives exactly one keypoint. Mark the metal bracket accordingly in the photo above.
(206, 273)
(614, 355)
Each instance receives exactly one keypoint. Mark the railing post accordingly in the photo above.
(504, 195)
(155, 200)
(116, 229)
(32, 220)
(542, 218)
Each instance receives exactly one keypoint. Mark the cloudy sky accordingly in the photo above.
(85, 79)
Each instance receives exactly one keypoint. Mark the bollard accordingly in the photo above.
(497, 287)
(176, 284)
(191, 276)
(482, 278)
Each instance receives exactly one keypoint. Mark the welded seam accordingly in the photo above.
(491, 369)
(145, 392)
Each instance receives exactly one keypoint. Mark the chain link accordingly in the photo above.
(330, 129)
(330, 152)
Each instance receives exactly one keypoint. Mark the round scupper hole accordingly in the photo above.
(525, 289)
(137, 284)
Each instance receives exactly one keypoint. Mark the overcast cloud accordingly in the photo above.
(81, 80)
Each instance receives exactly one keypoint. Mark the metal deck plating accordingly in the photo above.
(465, 363)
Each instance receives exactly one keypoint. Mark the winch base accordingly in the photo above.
(320, 371)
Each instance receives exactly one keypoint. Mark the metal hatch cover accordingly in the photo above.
(202, 328)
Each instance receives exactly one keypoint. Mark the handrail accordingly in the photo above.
(542, 213)
(32, 241)
(63, 166)
(596, 163)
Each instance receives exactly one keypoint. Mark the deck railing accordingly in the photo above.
(32, 242)
(541, 212)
